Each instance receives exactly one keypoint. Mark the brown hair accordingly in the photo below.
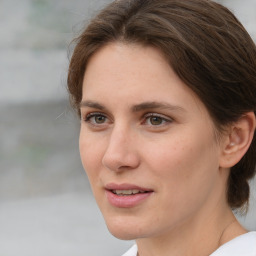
(206, 46)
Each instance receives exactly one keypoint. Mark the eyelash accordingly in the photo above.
(164, 119)
(88, 117)
(146, 118)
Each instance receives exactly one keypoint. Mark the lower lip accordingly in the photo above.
(126, 201)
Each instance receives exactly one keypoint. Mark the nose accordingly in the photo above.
(121, 152)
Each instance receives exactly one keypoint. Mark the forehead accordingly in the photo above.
(123, 74)
(115, 60)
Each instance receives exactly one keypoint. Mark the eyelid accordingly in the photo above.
(164, 117)
(92, 114)
(165, 121)
(87, 118)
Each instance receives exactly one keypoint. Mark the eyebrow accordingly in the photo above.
(92, 104)
(136, 108)
(155, 105)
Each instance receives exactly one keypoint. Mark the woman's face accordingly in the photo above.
(147, 144)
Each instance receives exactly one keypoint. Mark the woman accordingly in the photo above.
(166, 92)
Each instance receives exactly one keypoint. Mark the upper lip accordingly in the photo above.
(126, 186)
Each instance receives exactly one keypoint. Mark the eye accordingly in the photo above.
(154, 119)
(96, 118)
(99, 119)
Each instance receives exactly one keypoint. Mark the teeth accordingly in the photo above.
(127, 192)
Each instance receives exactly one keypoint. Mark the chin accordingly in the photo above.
(123, 229)
(123, 235)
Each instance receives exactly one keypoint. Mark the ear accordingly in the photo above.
(237, 141)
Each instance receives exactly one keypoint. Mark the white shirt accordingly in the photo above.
(244, 245)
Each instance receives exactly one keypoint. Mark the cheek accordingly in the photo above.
(169, 156)
(90, 153)
(184, 161)
(185, 171)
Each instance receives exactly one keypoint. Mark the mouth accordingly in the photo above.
(128, 192)
(126, 195)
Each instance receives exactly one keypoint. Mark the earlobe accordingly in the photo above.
(237, 140)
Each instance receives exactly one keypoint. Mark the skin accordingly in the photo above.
(171, 150)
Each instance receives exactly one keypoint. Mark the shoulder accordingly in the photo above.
(132, 251)
(244, 245)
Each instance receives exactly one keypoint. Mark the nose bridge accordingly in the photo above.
(121, 149)
(120, 134)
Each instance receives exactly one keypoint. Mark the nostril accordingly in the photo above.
(120, 163)
(124, 167)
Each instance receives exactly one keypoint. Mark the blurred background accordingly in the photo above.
(46, 206)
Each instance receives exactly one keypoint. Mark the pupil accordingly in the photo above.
(156, 120)
(99, 119)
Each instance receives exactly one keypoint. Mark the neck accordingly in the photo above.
(198, 236)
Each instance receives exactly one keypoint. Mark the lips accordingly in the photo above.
(127, 192)
(126, 195)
